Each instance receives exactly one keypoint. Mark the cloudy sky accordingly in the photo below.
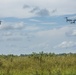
(37, 25)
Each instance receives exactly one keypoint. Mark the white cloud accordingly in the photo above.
(67, 44)
(74, 33)
(73, 17)
(34, 20)
(19, 25)
(7, 34)
(35, 9)
(10, 26)
(43, 12)
(14, 8)
(26, 6)
(32, 38)
(54, 32)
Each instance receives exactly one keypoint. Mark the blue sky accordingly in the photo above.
(37, 25)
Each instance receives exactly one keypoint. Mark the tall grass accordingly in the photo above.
(38, 64)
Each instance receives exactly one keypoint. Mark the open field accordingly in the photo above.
(38, 64)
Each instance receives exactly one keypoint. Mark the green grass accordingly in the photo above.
(38, 64)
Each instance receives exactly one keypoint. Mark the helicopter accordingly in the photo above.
(70, 20)
(73, 21)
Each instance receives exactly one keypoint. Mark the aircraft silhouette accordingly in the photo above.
(70, 20)
(74, 21)
(0, 22)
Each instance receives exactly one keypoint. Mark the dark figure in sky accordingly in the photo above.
(0, 22)
(70, 20)
(74, 20)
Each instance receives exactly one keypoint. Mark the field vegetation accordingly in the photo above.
(38, 64)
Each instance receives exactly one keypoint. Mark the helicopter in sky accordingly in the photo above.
(70, 20)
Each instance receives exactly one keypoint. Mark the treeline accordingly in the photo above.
(38, 64)
(40, 53)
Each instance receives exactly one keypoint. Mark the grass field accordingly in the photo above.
(38, 64)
